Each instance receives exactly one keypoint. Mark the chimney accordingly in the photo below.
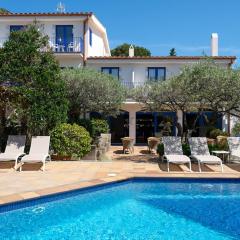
(214, 45)
(131, 51)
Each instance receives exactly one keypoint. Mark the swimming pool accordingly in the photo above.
(149, 209)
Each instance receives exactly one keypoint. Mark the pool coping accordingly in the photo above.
(9, 201)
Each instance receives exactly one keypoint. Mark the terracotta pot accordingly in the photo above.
(60, 158)
(211, 141)
(222, 140)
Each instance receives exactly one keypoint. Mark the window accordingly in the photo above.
(14, 28)
(64, 37)
(156, 73)
(90, 37)
(114, 71)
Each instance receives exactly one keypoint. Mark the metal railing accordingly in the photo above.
(135, 84)
(59, 45)
(66, 46)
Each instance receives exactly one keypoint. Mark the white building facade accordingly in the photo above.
(135, 71)
(79, 39)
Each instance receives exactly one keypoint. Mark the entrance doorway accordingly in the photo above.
(119, 127)
(144, 126)
(149, 124)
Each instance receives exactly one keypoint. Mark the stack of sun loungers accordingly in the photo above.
(15, 151)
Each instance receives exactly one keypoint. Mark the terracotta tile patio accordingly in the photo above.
(68, 175)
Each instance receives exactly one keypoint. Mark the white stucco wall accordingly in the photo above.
(69, 61)
(135, 72)
(233, 121)
(97, 48)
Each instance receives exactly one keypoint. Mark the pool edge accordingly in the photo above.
(95, 184)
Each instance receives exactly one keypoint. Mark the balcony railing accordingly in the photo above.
(135, 84)
(59, 45)
(63, 46)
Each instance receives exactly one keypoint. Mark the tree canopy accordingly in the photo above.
(172, 52)
(123, 50)
(92, 91)
(4, 10)
(32, 76)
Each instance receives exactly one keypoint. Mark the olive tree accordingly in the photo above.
(199, 87)
(92, 91)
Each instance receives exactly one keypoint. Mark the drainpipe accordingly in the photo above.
(85, 22)
(229, 123)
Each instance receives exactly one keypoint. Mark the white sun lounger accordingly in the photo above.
(200, 152)
(14, 149)
(173, 151)
(234, 146)
(38, 151)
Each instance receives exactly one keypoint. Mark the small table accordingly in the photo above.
(223, 153)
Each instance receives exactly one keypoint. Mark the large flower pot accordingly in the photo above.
(211, 141)
(222, 140)
(60, 157)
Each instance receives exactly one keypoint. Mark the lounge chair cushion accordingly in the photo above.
(9, 156)
(177, 158)
(34, 158)
(207, 159)
(172, 146)
(199, 146)
(234, 144)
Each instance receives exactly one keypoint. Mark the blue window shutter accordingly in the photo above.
(90, 36)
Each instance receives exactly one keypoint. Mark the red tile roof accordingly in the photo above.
(46, 14)
(162, 58)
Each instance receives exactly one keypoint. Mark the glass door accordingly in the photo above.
(64, 38)
(144, 126)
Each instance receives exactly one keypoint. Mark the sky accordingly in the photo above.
(156, 24)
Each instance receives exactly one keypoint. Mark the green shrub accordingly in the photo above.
(236, 130)
(160, 149)
(99, 126)
(71, 140)
(186, 149)
(87, 124)
(95, 126)
(216, 147)
(217, 132)
(209, 129)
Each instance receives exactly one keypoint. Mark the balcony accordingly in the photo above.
(75, 45)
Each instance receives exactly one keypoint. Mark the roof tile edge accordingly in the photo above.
(46, 14)
(162, 57)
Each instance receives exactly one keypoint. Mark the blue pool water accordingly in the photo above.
(138, 209)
